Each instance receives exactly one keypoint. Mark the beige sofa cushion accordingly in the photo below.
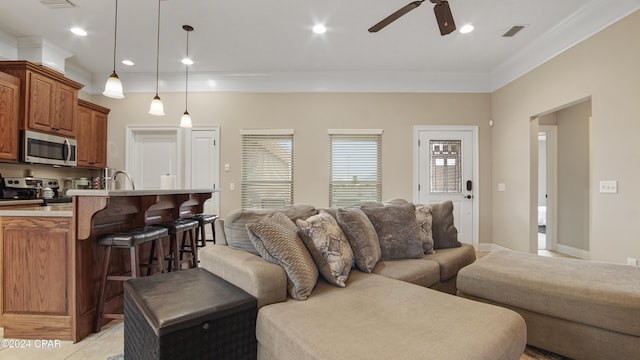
(451, 260)
(276, 239)
(416, 271)
(379, 318)
(603, 295)
(445, 234)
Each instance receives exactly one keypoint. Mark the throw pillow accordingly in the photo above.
(361, 236)
(235, 224)
(425, 219)
(445, 234)
(328, 246)
(276, 239)
(397, 230)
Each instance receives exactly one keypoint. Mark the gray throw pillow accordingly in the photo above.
(276, 239)
(425, 219)
(397, 229)
(235, 224)
(445, 234)
(361, 236)
(328, 246)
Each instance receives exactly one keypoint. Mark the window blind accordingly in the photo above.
(446, 166)
(356, 168)
(267, 169)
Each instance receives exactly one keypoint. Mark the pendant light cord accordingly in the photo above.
(115, 38)
(158, 50)
(186, 78)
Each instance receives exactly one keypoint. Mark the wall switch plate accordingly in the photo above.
(502, 187)
(609, 186)
(632, 261)
(226, 167)
(232, 186)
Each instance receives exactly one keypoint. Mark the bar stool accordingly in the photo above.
(125, 240)
(203, 220)
(185, 229)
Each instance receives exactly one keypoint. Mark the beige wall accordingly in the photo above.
(605, 68)
(573, 176)
(310, 115)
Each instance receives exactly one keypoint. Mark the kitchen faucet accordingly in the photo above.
(115, 175)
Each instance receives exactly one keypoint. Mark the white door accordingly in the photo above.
(156, 152)
(446, 171)
(202, 165)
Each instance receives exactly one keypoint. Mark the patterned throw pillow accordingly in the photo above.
(276, 239)
(425, 219)
(328, 246)
(445, 234)
(398, 231)
(361, 236)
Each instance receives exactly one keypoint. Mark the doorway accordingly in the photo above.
(564, 193)
(446, 169)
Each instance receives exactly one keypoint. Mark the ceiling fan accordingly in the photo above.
(441, 9)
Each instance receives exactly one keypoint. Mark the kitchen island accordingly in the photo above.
(51, 263)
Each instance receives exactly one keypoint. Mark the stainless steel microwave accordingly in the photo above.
(39, 148)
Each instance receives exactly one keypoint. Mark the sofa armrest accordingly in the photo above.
(258, 277)
(218, 227)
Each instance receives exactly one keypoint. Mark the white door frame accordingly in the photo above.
(552, 183)
(475, 178)
(131, 131)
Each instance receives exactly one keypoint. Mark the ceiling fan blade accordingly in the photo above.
(393, 17)
(444, 17)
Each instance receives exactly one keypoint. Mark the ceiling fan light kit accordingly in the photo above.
(441, 10)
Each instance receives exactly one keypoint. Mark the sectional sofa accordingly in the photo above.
(360, 283)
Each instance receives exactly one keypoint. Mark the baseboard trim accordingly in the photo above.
(488, 247)
(575, 252)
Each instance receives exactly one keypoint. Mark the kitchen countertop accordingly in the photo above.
(137, 192)
(54, 210)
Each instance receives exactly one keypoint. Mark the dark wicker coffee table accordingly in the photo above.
(188, 314)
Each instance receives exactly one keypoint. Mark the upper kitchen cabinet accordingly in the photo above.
(92, 135)
(48, 100)
(9, 112)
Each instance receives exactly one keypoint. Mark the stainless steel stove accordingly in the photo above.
(25, 188)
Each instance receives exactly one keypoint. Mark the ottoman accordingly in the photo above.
(188, 314)
(577, 308)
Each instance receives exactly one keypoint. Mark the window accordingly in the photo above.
(267, 168)
(446, 169)
(356, 166)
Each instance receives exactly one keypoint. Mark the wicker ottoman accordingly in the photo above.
(189, 314)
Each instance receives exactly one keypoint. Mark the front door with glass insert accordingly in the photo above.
(445, 167)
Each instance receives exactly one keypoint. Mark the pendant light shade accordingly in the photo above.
(113, 88)
(156, 107)
(185, 120)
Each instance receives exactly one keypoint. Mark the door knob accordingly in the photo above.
(469, 197)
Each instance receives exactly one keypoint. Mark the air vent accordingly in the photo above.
(513, 31)
(58, 4)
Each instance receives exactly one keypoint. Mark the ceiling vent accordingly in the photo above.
(58, 4)
(513, 31)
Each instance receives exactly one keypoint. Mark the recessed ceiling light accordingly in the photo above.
(319, 29)
(187, 61)
(467, 28)
(79, 31)
(128, 62)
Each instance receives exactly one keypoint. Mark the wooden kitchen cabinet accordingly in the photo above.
(92, 135)
(36, 276)
(48, 100)
(9, 112)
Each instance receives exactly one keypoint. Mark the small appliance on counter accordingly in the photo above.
(28, 188)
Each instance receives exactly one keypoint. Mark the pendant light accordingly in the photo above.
(156, 107)
(185, 120)
(113, 87)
